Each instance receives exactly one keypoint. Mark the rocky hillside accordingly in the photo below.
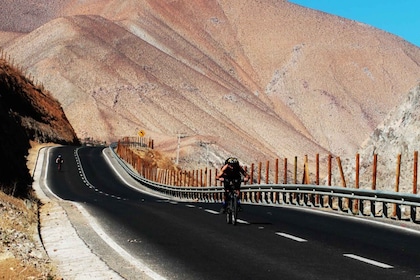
(286, 81)
(397, 134)
(28, 113)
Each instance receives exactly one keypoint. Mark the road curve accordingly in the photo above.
(142, 236)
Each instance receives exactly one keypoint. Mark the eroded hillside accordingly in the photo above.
(286, 81)
(397, 135)
(27, 113)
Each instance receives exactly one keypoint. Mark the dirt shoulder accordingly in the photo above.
(22, 255)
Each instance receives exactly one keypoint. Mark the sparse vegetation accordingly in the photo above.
(21, 253)
(28, 115)
(27, 112)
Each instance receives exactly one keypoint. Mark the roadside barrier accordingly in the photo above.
(354, 201)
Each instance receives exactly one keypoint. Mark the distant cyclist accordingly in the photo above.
(231, 171)
(59, 161)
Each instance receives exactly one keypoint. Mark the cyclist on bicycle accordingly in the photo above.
(59, 161)
(231, 171)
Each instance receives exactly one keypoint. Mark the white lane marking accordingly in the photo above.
(242, 222)
(295, 238)
(123, 253)
(368, 261)
(217, 213)
(125, 181)
(101, 233)
(190, 206)
(46, 176)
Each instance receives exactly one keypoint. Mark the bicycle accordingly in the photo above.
(59, 161)
(232, 202)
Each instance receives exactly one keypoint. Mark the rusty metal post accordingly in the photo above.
(397, 174)
(355, 209)
(397, 183)
(259, 180)
(276, 171)
(285, 171)
(267, 171)
(357, 180)
(343, 180)
(209, 177)
(329, 169)
(415, 164)
(306, 171)
(251, 174)
(317, 169)
(374, 170)
(316, 200)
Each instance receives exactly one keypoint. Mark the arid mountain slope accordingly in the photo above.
(27, 113)
(259, 79)
(397, 134)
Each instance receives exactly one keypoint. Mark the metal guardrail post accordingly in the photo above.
(297, 194)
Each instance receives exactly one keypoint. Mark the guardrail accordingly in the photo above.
(374, 203)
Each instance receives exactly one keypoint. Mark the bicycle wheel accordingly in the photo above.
(235, 210)
(228, 215)
(229, 211)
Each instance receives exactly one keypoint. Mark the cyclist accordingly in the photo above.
(59, 161)
(231, 171)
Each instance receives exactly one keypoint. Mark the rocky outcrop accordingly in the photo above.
(397, 135)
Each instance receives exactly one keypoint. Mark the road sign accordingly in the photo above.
(141, 133)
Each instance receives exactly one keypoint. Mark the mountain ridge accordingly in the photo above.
(285, 81)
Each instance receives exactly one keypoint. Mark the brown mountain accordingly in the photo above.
(28, 114)
(258, 79)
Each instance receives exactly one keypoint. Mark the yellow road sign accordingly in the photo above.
(141, 133)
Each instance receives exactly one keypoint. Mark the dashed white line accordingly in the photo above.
(368, 261)
(217, 213)
(295, 238)
(242, 222)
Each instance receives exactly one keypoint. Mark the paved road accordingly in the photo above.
(154, 237)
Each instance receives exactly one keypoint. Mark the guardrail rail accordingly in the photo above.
(374, 203)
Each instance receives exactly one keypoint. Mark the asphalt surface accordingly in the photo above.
(130, 234)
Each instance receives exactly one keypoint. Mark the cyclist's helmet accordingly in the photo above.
(59, 156)
(232, 161)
